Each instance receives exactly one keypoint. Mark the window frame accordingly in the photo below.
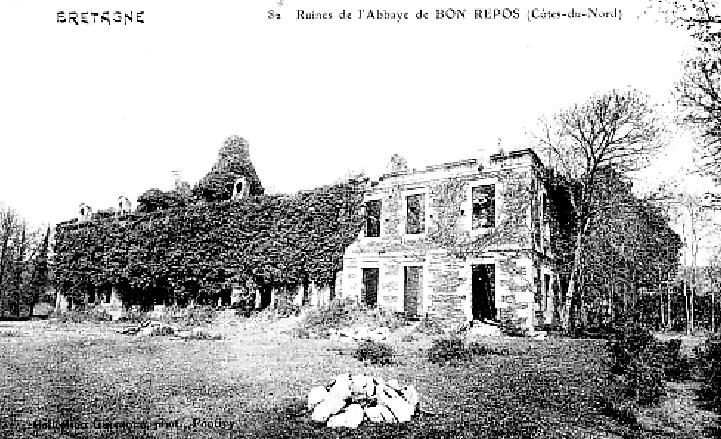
(474, 184)
(380, 217)
(426, 211)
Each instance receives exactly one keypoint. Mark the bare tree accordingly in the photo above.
(616, 131)
(690, 208)
(715, 273)
(698, 93)
(8, 228)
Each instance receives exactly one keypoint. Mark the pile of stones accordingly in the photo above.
(360, 333)
(352, 399)
(156, 328)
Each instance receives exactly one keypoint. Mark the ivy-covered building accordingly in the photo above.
(461, 241)
(225, 242)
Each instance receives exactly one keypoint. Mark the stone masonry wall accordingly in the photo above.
(448, 248)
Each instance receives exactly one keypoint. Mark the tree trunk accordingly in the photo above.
(692, 290)
(713, 311)
(685, 301)
(668, 304)
(611, 304)
(306, 292)
(19, 272)
(6, 238)
(567, 310)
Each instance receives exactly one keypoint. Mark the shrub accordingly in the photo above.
(343, 313)
(639, 361)
(449, 350)
(429, 326)
(301, 333)
(479, 349)
(379, 316)
(91, 315)
(646, 375)
(191, 316)
(336, 315)
(625, 345)
(678, 367)
(710, 367)
(287, 309)
(133, 315)
(374, 352)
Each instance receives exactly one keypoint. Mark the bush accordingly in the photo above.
(449, 350)
(429, 326)
(646, 375)
(343, 313)
(301, 333)
(626, 345)
(710, 367)
(133, 315)
(91, 315)
(287, 309)
(191, 316)
(479, 349)
(639, 361)
(678, 367)
(374, 352)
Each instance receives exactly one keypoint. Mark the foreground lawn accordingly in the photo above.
(87, 381)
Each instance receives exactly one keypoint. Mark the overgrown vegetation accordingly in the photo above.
(642, 365)
(709, 360)
(93, 315)
(454, 350)
(429, 325)
(677, 366)
(479, 349)
(449, 350)
(344, 313)
(197, 252)
(374, 352)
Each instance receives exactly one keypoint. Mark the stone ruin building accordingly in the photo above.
(460, 241)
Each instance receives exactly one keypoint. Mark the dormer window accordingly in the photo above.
(240, 188)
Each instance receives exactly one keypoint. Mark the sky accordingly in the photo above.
(90, 112)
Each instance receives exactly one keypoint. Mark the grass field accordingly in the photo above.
(85, 380)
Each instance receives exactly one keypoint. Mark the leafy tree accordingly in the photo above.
(611, 133)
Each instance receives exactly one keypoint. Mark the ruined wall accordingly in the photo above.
(449, 247)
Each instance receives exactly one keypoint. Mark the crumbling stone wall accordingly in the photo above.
(449, 247)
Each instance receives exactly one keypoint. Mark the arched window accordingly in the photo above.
(240, 188)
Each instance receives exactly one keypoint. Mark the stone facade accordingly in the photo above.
(459, 241)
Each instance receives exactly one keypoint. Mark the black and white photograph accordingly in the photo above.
(357, 218)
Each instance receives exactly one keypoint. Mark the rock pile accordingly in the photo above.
(156, 328)
(150, 328)
(349, 400)
(360, 333)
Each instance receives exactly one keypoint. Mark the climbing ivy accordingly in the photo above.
(192, 252)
